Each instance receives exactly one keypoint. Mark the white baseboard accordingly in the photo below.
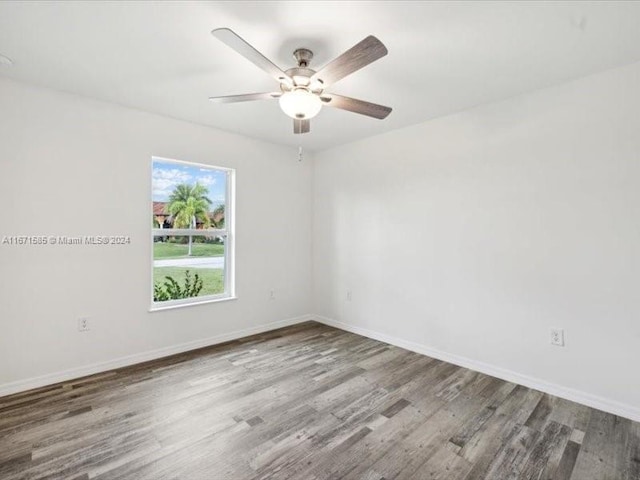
(604, 404)
(590, 400)
(73, 373)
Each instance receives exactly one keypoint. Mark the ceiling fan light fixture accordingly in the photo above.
(300, 104)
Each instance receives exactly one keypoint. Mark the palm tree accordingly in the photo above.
(187, 205)
(217, 217)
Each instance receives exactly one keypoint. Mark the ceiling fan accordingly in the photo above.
(302, 90)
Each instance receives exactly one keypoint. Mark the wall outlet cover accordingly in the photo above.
(557, 337)
(83, 324)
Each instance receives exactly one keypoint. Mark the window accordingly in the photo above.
(192, 233)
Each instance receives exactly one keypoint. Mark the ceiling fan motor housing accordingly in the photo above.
(301, 77)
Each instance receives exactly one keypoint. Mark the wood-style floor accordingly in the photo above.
(307, 402)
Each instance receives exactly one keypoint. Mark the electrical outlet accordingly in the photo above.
(272, 294)
(83, 324)
(349, 296)
(557, 337)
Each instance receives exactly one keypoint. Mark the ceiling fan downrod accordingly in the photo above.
(303, 56)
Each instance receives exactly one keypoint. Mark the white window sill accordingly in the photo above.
(158, 307)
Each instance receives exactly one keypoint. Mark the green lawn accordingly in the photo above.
(212, 278)
(176, 250)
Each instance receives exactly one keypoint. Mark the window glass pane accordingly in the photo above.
(188, 267)
(188, 196)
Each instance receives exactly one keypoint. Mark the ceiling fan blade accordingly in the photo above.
(245, 98)
(356, 106)
(233, 40)
(360, 55)
(301, 126)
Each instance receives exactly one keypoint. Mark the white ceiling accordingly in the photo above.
(443, 56)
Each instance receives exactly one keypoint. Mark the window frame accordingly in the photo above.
(228, 232)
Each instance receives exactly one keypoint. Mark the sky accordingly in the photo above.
(166, 175)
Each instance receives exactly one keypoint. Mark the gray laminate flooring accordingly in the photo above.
(307, 402)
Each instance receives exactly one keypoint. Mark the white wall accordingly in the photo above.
(467, 236)
(74, 166)
(472, 235)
